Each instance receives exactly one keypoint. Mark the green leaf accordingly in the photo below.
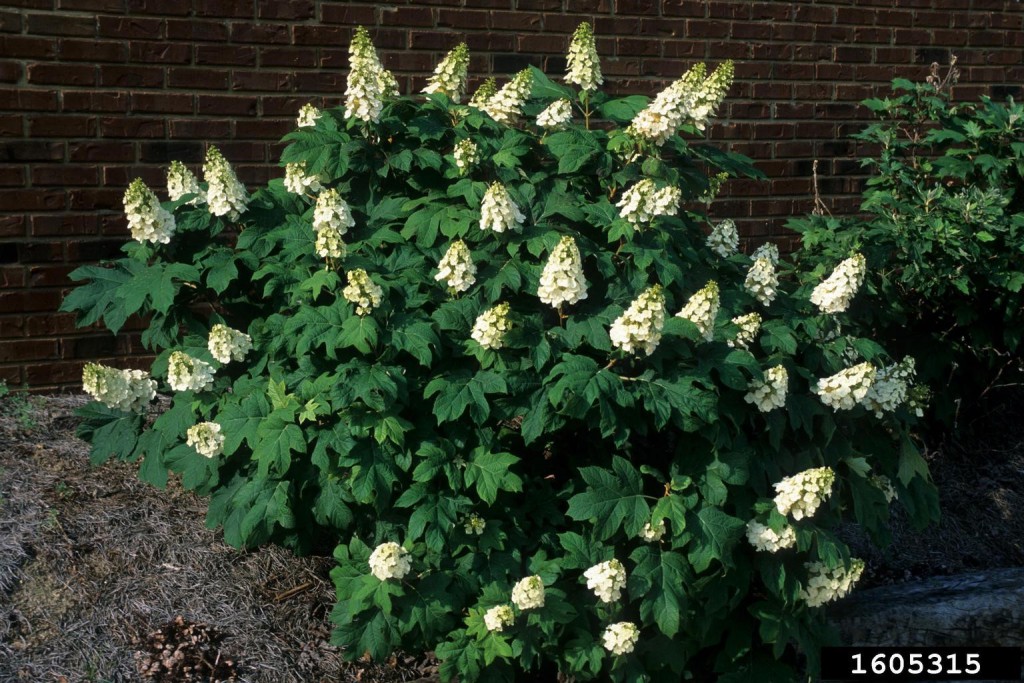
(241, 420)
(459, 391)
(360, 332)
(416, 337)
(624, 109)
(110, 433)
(714, 535)
(659, 580)
(99, 298)
(613, 499)
(490, 473)
(574, 149)
(278, 439)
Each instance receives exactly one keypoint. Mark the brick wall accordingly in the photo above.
(96, 92)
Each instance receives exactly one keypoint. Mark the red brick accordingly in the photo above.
(49, 276)
(197, 79)
(670, 8)
(29, 349)
(61, 74)
(132, 28)
(61, 126)
(28, 47)
(159, 53)
(163, 7)
(131, 76)
(10, 72)
(12, 226)
(237, 55)
(349, 14)
(199, 129)
(163, 103)
(31, 200)
(40, 252)
(283, 106)
(293, 9)
(262, 80)
(180, 29)
(458, 18)
(242, 9)
(406, 16)
(50, 324)
(64, 225)
(94, 100)
(51, 374)
(91, 199)
(11, 325)
(131, 127)
(242, 32)
(10, 22)
(287, 56)
(225, 105)
(60, 25)
(264, 129)
(109, 6)
(12, 176)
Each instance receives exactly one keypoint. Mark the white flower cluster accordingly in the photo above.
(226, 343)
(643, 202)
(833, 295)
(846, 388)
(562, 280)
(768, 250)
(606, 579)
(128, 390)
(225, 195)
(466, 155)
(368, 81)
(556, 115)
(802, 493)
(308, 116)
(652, 533)
(691, 99)
(185, 373)
(498, 212)
(639, 328)
(620, 638)
(715, 183)
(582, 60)
(456, 267)
(724, 239)
(771, 393)
(181, 182)
(762, 282)
(749, 325)
(362, 291)
(884, 484)
(331, 219)
(390, 561)
(825, 585)
(764, 539)
(450, 75)
(498, 617)
(485, 92)
(891, 387)
(490, 327)
(506, 105)
(475, 524)
(297, 182)
(147, 220)
(701, 310)
(206, 439)
(528, 593)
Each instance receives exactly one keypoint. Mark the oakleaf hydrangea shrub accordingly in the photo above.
(940, 240)
(498, 366)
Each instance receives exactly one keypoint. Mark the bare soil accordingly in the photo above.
(99, 573)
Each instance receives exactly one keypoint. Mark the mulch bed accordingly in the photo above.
(102, 576)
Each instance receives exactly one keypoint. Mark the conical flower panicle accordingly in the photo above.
(498, 212)
(127, 390)
(891, 388)
(225, 195)
(644, 201)
(450, 75)
(765, 539)
(490, 327)
(749, 325)
(362, 291)
(771, 393)
(147, 220)
(639, 328)
(368, 81)
(583, 62)
(466, 155)
(724, 239)
(803, 493)
(297, 182)
(845, 389)
(556, 115)
(456, 268)
(701, 310)
(181, 181)
(711, 94)
(227, 344)
(331, 220)
(834, 294)
(308, 116)
(206, 439)
(506, 105)
(825, 585)
(762, 282)
(485, 92)
(663, 117)
(562, 280)
(768, 250)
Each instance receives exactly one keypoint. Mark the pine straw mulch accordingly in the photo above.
(101, 574)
